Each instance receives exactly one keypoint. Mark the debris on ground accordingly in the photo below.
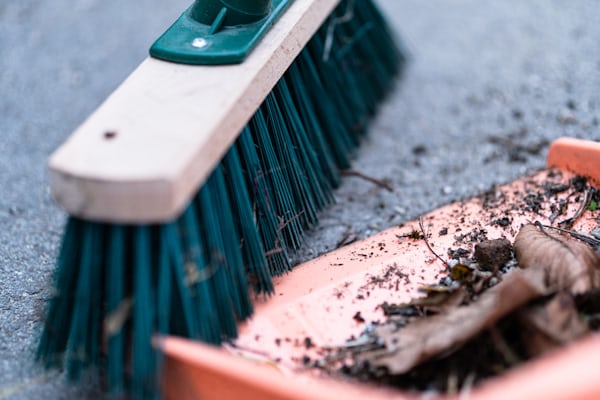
(500, 304)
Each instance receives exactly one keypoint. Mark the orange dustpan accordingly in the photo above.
(332, 298)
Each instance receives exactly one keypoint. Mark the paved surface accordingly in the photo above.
(489, 85)
(482, 73)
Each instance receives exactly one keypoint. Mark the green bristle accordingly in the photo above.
(115, 290)
(97, 301)
(263, 203)
(334, 122)
(118, 285)
(304, 210)
(330, 76)
(144, 320)
(250, 240)
(193, 273)
(213, 273)
(388, 52)
(224, 254)
(279, 195)
(60, 313)
(165, 298)
(80, 347)
(318, 188)
(368, 43)
(364, 38)
(183, 320)
(318, 119)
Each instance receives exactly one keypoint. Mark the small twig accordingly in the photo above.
(19, 388)
(379, 182)
(465, 391)
(250, 350)
(582, 207)
(114, 321)
(452, 384)
(503, 347)
(346, 17)
(429, 246)
(362, 342)
(349, 237)
(584, 238)
(539, 225)
(193, 274)
(261, 356)
(272, 252)
(284, 223)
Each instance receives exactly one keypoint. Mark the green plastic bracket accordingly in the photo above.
(218, 31)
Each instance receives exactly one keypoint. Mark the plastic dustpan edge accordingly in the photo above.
(194, 370)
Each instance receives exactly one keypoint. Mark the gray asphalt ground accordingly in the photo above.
(489, 86)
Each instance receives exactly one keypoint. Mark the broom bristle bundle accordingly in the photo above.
(191, 277)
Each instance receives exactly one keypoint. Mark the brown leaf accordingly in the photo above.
(568, 263)
(461, 273)
(441, 300)
(425, 338)
(551, 324)
(553, 263)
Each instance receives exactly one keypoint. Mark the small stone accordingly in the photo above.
(14, 211)
(504, 222)
(566, 117)
(493, 254)
(419, 150)
(308, 343)
(400, 210)
(358, 317)
(517, 114)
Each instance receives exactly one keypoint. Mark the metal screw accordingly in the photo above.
(199, 43)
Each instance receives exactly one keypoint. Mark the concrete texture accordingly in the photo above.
(489, 85)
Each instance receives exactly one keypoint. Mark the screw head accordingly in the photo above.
(199, 42)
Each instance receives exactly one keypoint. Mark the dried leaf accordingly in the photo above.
(568, 263)
(433, 289)
(553, 263)
(113, 323)
(425, 338)
(551, 324)
(441, 301)
(461, 273)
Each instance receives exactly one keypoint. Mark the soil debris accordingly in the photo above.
(468, 327)
(513, 145)
(493, 254)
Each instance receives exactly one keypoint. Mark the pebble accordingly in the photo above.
(566, 117)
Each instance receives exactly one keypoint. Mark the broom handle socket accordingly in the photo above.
(218, 32)
(230, 12)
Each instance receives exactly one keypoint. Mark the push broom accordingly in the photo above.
(188, 187)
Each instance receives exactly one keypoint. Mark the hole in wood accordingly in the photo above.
(108, 135)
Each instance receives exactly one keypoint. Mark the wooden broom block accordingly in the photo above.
(144, 153)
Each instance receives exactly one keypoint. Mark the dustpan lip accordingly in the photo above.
(567, 372)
